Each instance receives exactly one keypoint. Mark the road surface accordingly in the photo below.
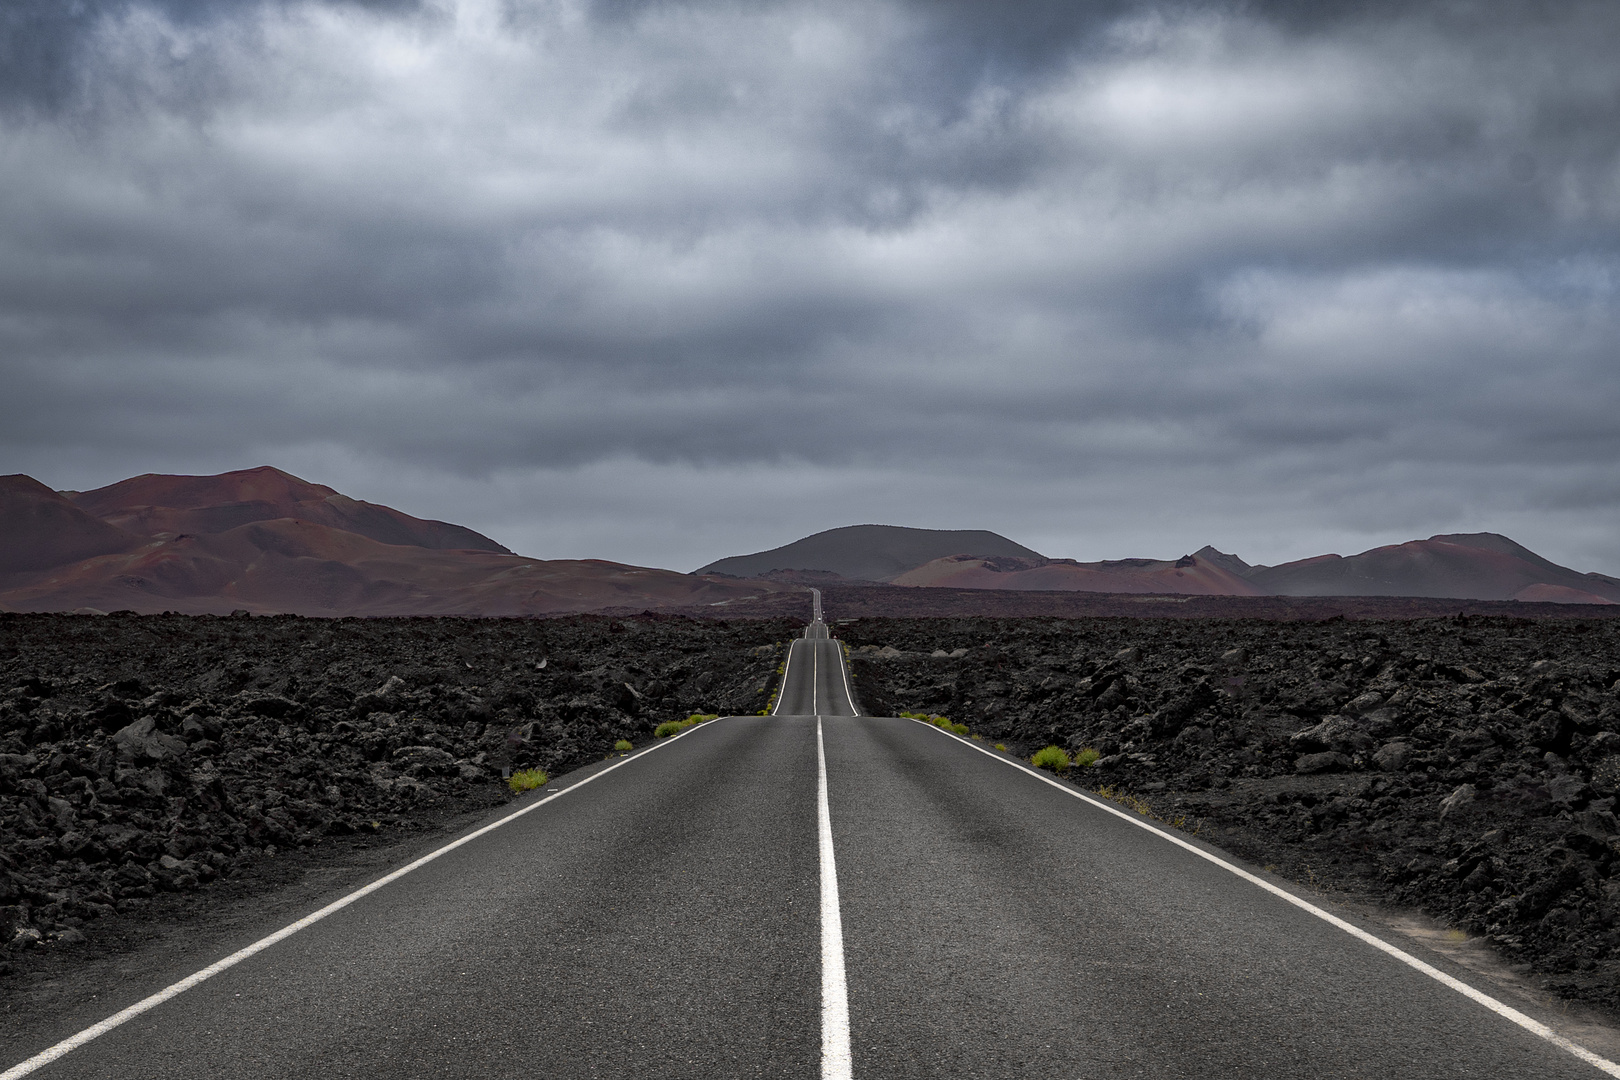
(698, 909)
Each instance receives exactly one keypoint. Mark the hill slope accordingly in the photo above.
(1463, 566)
(1471, 566)
(164, 506)
(1187, 576)
(40, 529)
(870, 552)
(264, 541)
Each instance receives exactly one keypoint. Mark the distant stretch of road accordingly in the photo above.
(811, 893)
(816, 682)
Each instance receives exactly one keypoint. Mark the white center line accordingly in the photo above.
(815, 677)
(836, 1061)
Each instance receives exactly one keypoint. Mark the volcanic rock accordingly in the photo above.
(1466, 766)
(1460, 799)
(1328, 761)
(143, 758)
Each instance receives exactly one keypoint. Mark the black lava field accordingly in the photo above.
(145, 760)
(153, 767)
(1467, 767)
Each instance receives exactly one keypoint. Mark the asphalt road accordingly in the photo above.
(816, 681)
(666, 919)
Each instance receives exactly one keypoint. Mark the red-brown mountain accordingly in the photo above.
(165, 506)
(265, 541)
(1467, 566)
(1472, 566)
(40, 529)
(1186, 576)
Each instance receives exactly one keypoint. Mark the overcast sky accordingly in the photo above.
(662, 282)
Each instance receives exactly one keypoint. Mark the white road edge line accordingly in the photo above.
(1502, 1009)
(785, 667)
(66, 1046)
(837, 1062)
(843, 666)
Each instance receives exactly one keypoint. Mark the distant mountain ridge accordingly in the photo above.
(267, 541)
(156, 505)
(1464, 566)
(869, 552)
(263, 540)
(1186, 576)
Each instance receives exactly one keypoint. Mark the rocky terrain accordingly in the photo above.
(1465, 766)
(145, 759)
(1468, 766)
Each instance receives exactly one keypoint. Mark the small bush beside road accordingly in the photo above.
(1051, 757)
(675, 727)
(527, 780)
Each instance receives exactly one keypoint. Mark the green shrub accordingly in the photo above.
(941, 721)
(675, 727)
(623, 744)
(1052, 757)
(1087, 758)
(960, 729)
(526, 780)
(1002, 747)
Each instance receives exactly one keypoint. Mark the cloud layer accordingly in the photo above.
(663, 282)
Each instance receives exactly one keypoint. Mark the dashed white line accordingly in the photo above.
(815, 677)
(66, 1046)
(836, 1060)
(1502, 1009)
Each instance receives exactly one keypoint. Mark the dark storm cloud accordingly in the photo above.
(47, 49)
(1113, 278)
